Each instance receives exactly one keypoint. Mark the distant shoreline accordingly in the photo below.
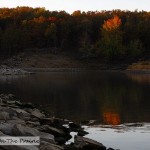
(85, 70)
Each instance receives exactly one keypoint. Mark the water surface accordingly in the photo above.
(110, 98)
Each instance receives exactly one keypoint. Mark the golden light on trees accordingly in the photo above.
(112, 24)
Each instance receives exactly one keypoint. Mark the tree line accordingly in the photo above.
(112, 34)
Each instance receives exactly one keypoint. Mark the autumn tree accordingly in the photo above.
(111, 43)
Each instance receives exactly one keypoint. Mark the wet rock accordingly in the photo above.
(20, 130)
(36, 113)
(88, 144)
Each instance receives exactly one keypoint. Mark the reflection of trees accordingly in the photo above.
(112, 118)
(140, 78)
(110, 97)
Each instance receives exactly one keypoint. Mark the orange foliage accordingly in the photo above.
(112, 118)
(53, 19)
(112, 24)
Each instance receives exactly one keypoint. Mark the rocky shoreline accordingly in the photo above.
(25, 119)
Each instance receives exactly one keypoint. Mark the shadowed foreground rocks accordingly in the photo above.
(24, 119)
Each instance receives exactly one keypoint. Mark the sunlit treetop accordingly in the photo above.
(112, 24)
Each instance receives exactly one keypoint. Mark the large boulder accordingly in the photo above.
(88, 144)
(19, 130)
(60, 136)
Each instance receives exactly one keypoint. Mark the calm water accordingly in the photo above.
(109, 97)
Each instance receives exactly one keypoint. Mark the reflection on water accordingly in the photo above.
(109, 97)
(112, 118)
(123, 137)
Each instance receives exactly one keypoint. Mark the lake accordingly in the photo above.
(111, 100)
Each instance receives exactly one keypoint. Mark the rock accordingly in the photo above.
(10, 102)
(17, 121)
(20, 130)
(48, 121)
(18, 103)
(70, 147)
(36, 123)
(82, 132)
(49, 146)
(28, 105)
(13, 106)
(20, 111)
(29, 110)
(77, 128)
(4, 116)
(10, 111)
(74, 125)
(53, 121)
(56, 132)
(1, 133)
(11, 96)
(88, 144)
(6, 128)
(60, 136)
(36, 113)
